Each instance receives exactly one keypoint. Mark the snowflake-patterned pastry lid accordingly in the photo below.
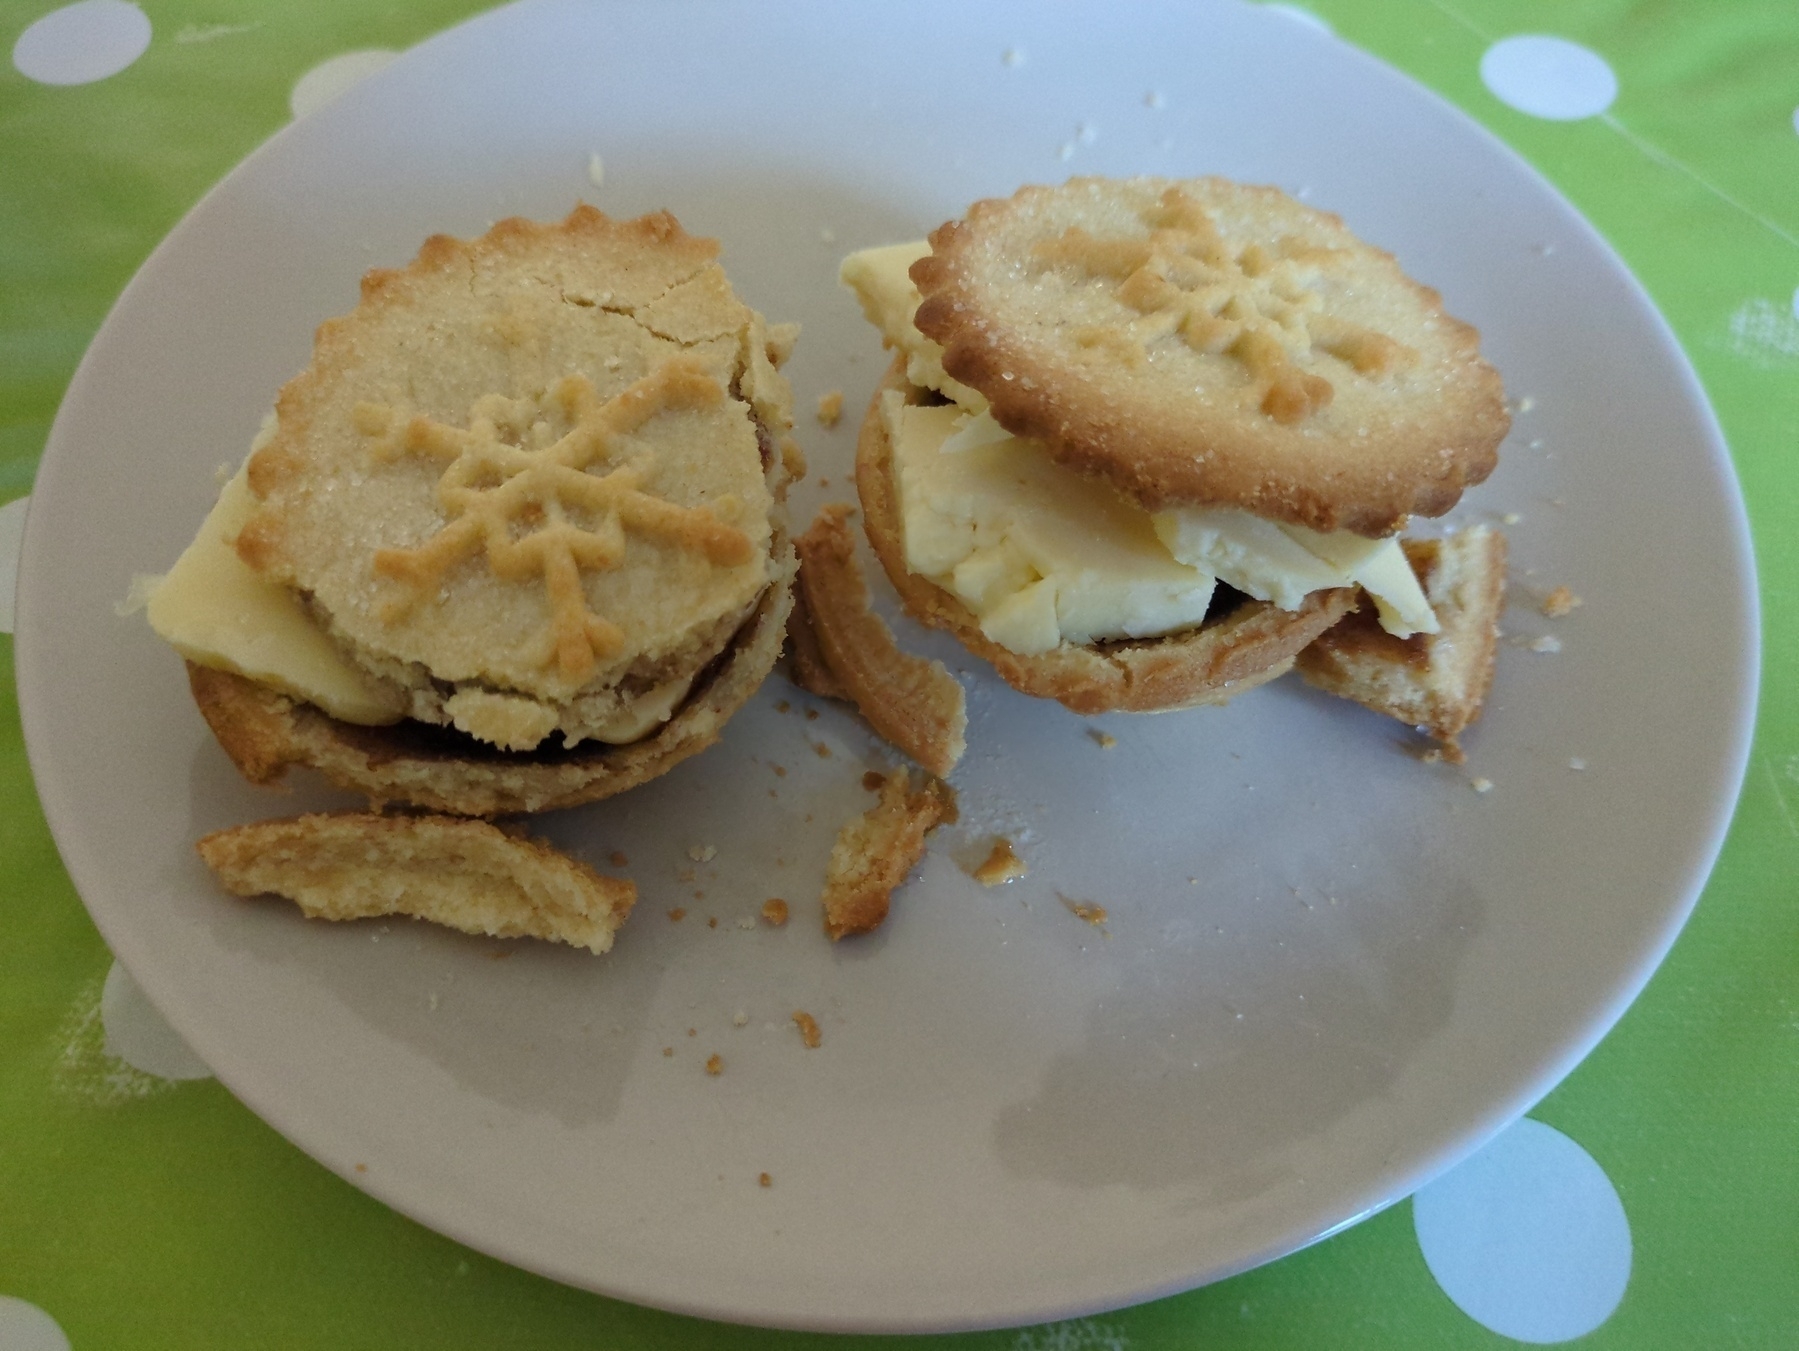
(539, 462)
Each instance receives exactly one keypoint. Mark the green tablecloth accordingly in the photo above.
(138, 1210)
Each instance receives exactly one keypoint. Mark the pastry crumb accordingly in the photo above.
(1095, 915)
(1001, 865)
(1560, 603)
(830, 407)
(875, 850)
(774, 911)
(617, 859)
(1481, 785)
(1577, 763)
(1105, 740)
(678, 914)
(715, 1064)
(702, 853)
(741, 1018)
(668, 1050)
(764, 1180)
(712, 921)
(783, 707)
(808, 1026)
(780, 770)
(872, 781)
(822, 751)
(1547, 643)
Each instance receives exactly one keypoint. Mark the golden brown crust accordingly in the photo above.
(1436, 682)
(915, 704)
(874, 852)
(1202, 343)
(421, 766)
(1209, 665)
(468, 875)
(806, 664)
(539, 464)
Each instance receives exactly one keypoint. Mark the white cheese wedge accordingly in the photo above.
(889, 300)
(1284, 563)
(1043, 555)
(217, 611)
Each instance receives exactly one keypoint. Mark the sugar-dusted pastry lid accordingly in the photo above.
(1201, 343)
(534, 462)
(1211, 664)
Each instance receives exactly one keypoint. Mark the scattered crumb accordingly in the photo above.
(499, 956)
(596, 171)
(702, 853)
(783, 707)
(1547, 643)
(812, 715)
(746, 922)
(678, 914)
(764, 1180)
(1560, 603)
(875, 850)
(741, 1018)
(1481, 785)
(780, 771)
(872, 780)
(715, 1064)
(1510, 518)
(1444, 753)
(362, 1168)
(830, 407)
(774, 910)
(1577, 763)
(712, 922)
(808, 1026)
(617, 859)
(1526, 403)
(668, 1050)
(684, 874)
(1095, 915)
(822, 751)
(693, 1032)
(1105, 739)
(1002, 865)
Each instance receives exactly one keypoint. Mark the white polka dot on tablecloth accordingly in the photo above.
(25, 1327)
(83, 42)
(137, 1034)
(1300, 13)
(331, 77)
(12, 536)
(1548, 77)
(1528, 1237)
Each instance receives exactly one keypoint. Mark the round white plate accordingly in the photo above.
(1329, 970)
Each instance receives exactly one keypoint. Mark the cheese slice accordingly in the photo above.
(217, 611)
(1043, 555)
(889, 300)
(1040, 555)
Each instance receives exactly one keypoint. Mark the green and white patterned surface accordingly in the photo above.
(142, 1206)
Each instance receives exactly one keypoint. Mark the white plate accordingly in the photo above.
(1329, 971)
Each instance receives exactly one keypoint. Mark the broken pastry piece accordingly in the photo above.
(1435, 682)
(466, 874)
(917, 705)
(515, 539)
(874, 852)
(1143, 440)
